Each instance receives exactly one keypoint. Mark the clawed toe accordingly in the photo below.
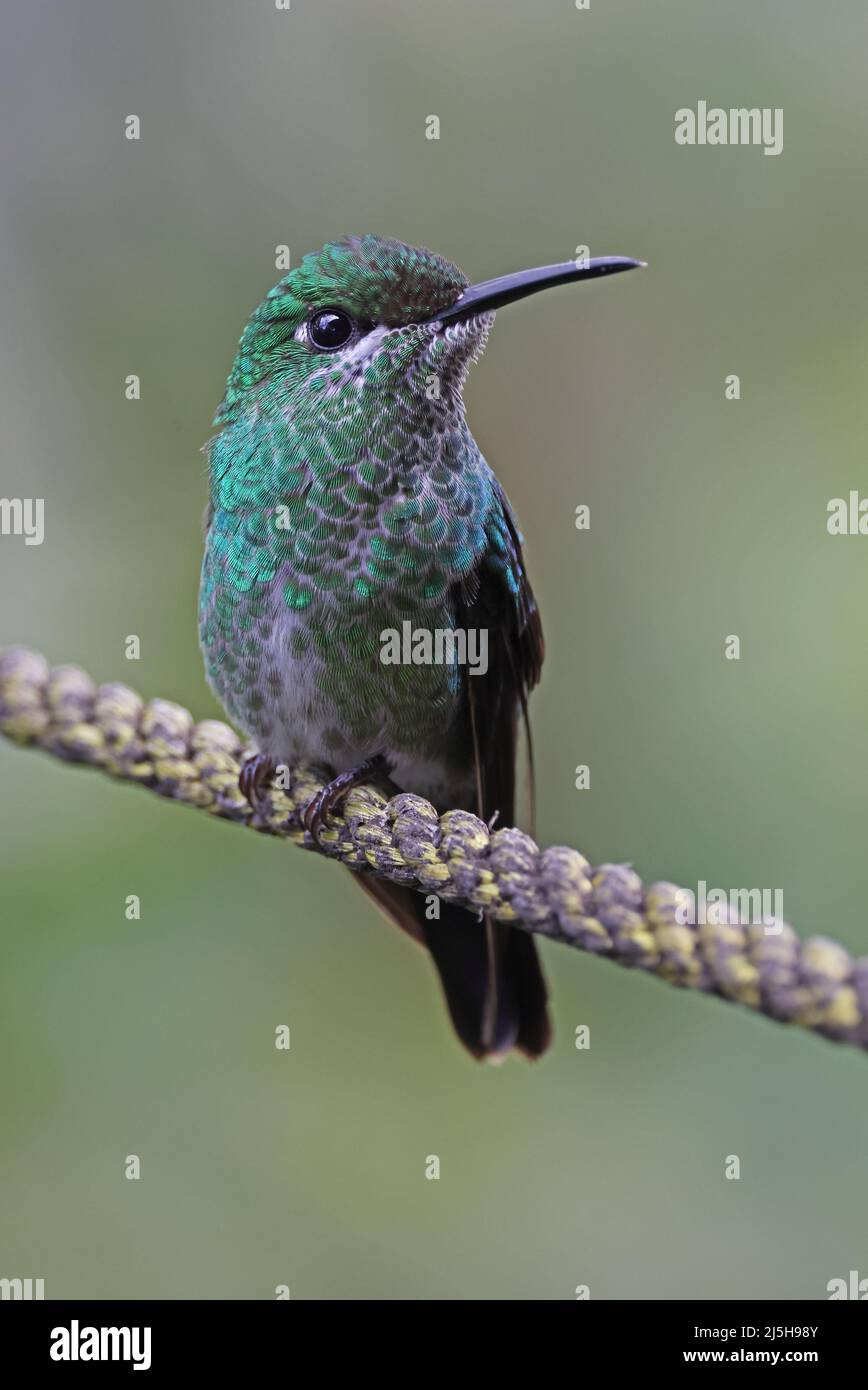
(331, 795)
(316, 811)
(255, 776)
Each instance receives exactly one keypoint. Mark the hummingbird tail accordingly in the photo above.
(460, 950)
(490, 1016)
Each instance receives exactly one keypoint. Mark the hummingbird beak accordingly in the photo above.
(493, 294)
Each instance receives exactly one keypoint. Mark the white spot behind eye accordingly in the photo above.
(364, 347)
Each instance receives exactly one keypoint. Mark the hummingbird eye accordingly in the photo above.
(330, 329)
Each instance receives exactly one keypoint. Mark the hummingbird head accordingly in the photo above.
(367, 321)
(360, 314)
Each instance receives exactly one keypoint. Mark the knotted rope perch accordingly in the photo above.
(555, 892)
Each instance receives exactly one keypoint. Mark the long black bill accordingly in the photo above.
(493, 294)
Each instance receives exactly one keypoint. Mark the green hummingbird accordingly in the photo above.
(350, 501)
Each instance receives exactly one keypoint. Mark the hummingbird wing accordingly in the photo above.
(489, 971)
(498, 598)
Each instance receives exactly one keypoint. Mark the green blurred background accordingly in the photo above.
(708, 518)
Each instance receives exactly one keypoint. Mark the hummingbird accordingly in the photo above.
(348, 499)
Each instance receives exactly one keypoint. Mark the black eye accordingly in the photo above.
(330, 329)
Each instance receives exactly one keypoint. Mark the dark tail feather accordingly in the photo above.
(459, 946)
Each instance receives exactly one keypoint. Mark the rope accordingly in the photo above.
(815, 983)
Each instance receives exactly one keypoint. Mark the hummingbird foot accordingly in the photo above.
(255, 776)
(333, 793)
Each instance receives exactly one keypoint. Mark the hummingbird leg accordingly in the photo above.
(376, 768)
(255, 776)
